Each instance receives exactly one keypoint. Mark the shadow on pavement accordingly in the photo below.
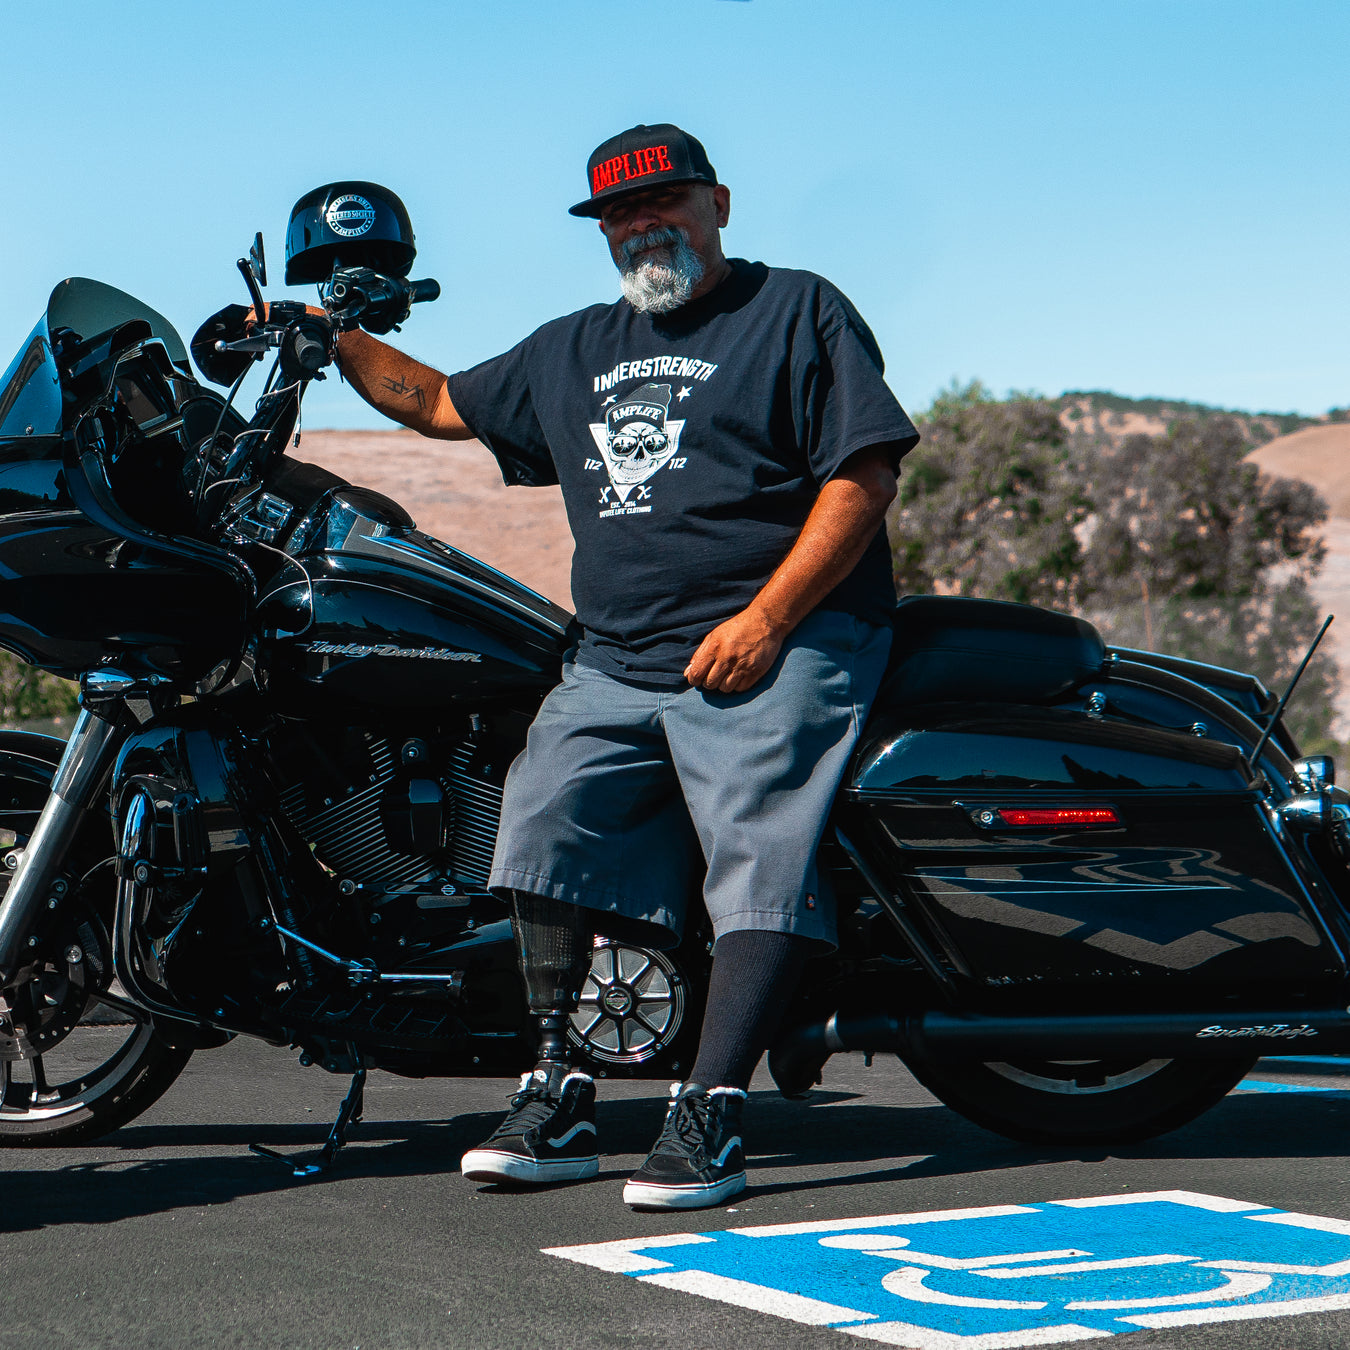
(859, 1142)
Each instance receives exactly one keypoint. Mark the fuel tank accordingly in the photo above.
(1061, 840)
(373, 615)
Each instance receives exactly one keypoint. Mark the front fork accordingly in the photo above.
(111, 702)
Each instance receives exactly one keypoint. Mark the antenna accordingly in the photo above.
(1293, 684)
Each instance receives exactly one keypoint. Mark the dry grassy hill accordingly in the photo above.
(1320, 455)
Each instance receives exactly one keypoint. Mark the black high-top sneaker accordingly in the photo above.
(548, 1134)
(697, 1161)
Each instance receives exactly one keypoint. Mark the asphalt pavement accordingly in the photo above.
(169, 1233)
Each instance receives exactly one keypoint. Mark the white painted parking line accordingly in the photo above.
(924, 1338)
(1245, 1313)
(1074, 1269)
(794, 1307)
(624, 1257)
(773, 1230)
(1218, 1203)
(1316, 1221)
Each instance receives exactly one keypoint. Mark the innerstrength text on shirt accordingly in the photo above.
(687, 367)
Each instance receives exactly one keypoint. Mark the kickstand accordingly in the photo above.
(348, 1113)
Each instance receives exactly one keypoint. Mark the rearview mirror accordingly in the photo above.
(257, 263)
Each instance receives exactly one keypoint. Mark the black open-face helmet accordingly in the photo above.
(348, 224)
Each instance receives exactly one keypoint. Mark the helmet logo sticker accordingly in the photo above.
(349, 215)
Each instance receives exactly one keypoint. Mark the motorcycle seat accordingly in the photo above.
(957, 649)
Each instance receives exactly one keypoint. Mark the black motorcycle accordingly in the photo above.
(1080, 889)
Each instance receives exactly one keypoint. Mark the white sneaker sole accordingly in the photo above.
(487, 1164)
(645, 1195)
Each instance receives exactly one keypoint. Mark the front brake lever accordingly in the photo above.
(257, 345)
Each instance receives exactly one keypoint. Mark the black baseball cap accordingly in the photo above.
(643, 157)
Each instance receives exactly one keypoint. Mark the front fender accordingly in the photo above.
(28, 763)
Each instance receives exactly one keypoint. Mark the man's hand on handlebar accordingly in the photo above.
(398, 386)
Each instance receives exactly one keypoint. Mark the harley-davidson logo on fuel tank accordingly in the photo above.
(388, 649)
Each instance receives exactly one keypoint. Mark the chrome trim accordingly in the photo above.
(1307, 811)
(1315, 772)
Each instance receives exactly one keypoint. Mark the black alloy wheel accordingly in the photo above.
(1100, 1101)
(75, 1061)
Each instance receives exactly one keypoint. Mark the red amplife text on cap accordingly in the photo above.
(643, 157)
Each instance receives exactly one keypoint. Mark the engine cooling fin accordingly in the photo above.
(477, 817)
(346, 831)
(348, 835)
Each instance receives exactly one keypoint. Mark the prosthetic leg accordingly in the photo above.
(553, 944)
(549, 1133)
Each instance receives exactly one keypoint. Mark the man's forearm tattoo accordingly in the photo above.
(403, 389)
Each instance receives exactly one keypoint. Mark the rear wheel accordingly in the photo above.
(1098, 1101)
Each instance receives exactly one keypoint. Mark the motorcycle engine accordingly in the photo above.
(395, 813)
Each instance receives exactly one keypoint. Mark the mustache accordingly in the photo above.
(664, 236)
(657, 284)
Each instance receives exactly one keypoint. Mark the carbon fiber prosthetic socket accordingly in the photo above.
(554, 941)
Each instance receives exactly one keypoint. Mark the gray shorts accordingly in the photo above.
(624, 791)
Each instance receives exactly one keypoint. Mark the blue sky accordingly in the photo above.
(1149, 196)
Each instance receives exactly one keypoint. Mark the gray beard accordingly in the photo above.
(655, 285)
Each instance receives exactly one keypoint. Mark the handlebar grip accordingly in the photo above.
(423, 290)
(310, 354)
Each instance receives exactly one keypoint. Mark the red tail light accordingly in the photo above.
(1048, 817)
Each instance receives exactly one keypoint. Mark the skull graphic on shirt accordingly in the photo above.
(637, 438)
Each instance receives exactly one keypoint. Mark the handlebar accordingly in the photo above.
(304, 340)
(423, 290)
(360, 296)
(307, 352)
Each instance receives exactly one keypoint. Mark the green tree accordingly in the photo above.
(1192, 550)
(989, 503)
(28, 694)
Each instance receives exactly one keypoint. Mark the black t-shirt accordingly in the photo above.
(690, 447)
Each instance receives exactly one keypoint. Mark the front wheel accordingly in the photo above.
(1099, 1101)
(73, 1065)
(102, 1073)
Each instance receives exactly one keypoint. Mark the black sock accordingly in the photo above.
(753, 975)
(554, 941)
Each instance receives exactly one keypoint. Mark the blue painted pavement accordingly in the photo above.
(1261, 1085)
(1005, 1276)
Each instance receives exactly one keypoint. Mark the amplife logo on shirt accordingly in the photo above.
(636, 439)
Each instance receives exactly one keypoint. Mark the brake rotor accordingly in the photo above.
(53, 992)
(45, 1008)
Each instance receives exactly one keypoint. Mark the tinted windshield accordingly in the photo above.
(90, 307)
(30, 390)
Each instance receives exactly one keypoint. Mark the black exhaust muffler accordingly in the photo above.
(799, 1056)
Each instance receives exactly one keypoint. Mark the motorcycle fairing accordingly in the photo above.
(374, 615)
(84, 582)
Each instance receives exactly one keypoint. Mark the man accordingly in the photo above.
(727, 449)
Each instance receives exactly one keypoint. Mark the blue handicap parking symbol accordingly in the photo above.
(1005, 1276)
